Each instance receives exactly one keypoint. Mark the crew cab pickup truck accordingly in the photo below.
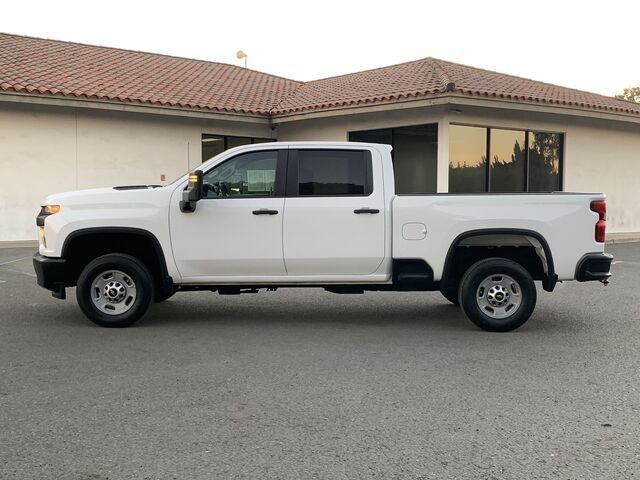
(314, 214)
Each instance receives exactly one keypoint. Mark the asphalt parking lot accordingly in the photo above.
(308, 384)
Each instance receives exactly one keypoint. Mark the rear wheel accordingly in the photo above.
(114, 290)
(497, 295)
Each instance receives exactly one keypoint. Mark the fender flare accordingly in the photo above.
(165, 280)
(548, 283)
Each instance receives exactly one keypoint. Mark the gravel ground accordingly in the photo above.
(308, 384)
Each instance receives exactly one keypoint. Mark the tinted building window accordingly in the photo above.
(415, 155)
(508, 163)
(467, 159)
(333, 172)
(545, 150)
(521, 161)
(213, 145)
(382, 135)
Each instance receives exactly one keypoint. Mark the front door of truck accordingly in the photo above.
(236, 229)
(334, 222)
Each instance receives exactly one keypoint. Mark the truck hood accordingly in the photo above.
(133, 196)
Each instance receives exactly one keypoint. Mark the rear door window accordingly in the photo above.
(331, 173)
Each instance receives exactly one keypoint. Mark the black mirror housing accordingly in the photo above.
(192, 193)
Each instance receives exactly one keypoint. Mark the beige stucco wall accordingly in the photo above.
(600, 156)
(45, 149)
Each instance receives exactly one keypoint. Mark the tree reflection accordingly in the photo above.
(508, 174)
(544, 161)
(465, 178)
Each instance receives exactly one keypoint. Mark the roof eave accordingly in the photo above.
(89, 103)
(451, 98)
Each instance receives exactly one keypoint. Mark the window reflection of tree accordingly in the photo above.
(509, 175)
(465, 178)
(544, 161)
(544, 167)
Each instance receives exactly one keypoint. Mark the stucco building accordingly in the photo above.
(75, 116)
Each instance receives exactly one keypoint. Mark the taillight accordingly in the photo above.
(600, 207)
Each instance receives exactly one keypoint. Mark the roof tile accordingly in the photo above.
(63, 68)
(51, 67)
(434, 77)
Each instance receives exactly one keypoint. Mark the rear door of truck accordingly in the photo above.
(334, 214)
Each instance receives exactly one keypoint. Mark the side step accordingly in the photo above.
(235, 290)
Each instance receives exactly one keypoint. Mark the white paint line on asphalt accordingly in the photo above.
(615, 262)
(18, 271)
(13, 261)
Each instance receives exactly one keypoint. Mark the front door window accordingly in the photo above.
(247, 175)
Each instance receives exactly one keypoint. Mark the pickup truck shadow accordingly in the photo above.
(427, 311)
(319, 309)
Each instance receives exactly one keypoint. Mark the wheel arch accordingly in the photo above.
(549, 278)
(83, 245)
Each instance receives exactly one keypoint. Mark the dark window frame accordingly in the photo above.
(292, 183)
(279, 184)
(561, 151)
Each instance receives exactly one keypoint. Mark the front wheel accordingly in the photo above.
(497, 295)
(114, 290)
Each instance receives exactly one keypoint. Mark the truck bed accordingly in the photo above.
(563, 221)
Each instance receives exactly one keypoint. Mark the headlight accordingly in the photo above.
(49, 209)
(45, 211)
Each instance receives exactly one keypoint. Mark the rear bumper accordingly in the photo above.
(50, 273)
(594, 266)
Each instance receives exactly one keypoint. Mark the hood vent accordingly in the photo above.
(136, 187)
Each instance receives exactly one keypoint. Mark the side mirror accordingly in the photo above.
(192, 193)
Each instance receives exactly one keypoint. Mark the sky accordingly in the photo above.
(588, 45)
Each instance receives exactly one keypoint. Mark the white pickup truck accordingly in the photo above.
(314, 214)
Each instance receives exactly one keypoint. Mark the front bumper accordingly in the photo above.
(594, 266)
(50, 273)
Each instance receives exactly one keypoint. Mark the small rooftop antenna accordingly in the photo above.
(240, 55)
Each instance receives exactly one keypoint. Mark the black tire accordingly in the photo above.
(451, 294)
(132, 273)
(511, 285)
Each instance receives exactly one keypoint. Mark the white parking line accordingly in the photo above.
(13, 261)
(17, 271)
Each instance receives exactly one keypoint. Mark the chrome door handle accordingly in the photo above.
(366, 210)
(265, 211)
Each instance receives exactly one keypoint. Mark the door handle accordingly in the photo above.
(366, 210)
(265, 211)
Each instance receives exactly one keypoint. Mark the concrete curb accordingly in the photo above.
(631, 237)
(19, 244)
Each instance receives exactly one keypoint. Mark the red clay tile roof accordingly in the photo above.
(432, 77)
(38, 66)
(49, 67)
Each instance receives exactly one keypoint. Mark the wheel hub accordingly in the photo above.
(498, 295)
(114, 292)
